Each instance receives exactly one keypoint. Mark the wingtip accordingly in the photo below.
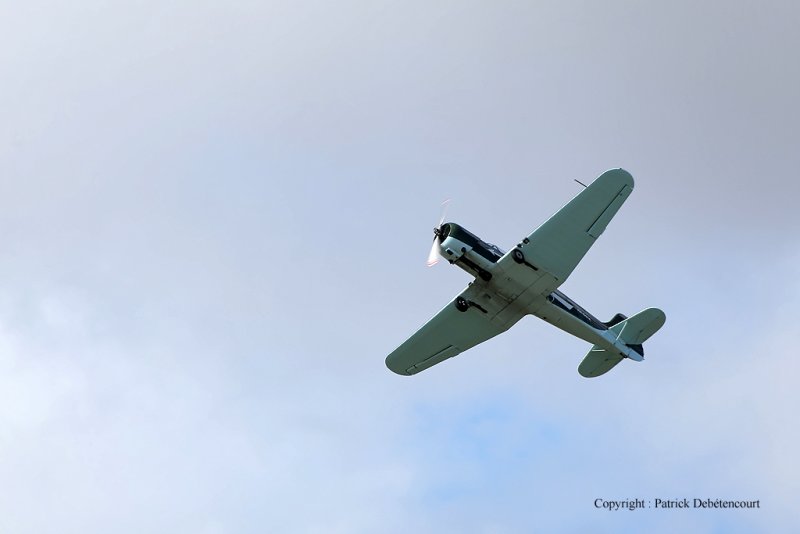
(396, 370)
(623, 176)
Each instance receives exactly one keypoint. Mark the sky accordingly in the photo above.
(215, 219)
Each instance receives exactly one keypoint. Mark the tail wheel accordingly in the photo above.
(461, 304)
(518, 256)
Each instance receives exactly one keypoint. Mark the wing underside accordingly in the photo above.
(559, 244)
(446, 335)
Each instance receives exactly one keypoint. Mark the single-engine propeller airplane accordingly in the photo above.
(524, 281)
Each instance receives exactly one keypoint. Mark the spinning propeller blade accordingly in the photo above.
(433, 256)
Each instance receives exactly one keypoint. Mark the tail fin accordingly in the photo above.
(618, 318)
(632, 332)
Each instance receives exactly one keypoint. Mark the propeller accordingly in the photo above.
(433, 256)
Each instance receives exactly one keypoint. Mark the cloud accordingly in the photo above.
(215, 222)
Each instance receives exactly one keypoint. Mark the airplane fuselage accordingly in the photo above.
(479, 258)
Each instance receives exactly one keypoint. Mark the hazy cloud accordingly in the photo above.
(215, 220)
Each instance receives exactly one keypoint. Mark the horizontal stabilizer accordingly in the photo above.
(599, 361)
(640, 327)
(632, 332)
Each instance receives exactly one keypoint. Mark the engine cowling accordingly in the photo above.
(453, 249)
(466, 250)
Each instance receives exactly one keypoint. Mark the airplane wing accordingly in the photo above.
(451, 332)
(551, 253)
(559, 244)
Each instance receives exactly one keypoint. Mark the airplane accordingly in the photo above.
(525, 280)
